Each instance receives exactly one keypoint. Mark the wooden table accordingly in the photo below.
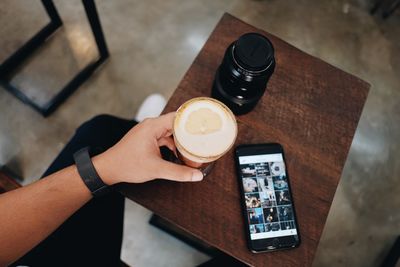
(310, 107)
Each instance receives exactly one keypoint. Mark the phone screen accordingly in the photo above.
(267, 198)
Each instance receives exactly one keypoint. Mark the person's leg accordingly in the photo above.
(93, 235)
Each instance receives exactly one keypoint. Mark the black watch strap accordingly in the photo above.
(89, 174)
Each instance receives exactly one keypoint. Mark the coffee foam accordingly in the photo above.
(205, 128)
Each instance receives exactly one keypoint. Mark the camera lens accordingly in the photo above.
(242, 77)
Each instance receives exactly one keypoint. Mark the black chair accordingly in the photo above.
(9, 66)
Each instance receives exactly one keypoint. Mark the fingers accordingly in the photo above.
(168, 142)
(163, 125)
(171, 171)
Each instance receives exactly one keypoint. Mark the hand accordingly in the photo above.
(136, 157)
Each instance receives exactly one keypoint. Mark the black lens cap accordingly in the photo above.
(253, 52)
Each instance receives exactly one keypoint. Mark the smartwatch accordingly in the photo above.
(89, 174)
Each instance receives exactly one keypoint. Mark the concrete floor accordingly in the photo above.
(152, 43)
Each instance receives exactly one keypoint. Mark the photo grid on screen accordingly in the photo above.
(267, 197)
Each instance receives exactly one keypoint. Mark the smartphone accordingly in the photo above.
(267, 202)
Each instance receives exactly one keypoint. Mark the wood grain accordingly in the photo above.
(310, 107)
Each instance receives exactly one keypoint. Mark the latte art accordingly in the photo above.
(203, 121)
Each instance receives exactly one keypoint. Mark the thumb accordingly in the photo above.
(175, 172)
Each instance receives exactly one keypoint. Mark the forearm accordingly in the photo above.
(29, 214)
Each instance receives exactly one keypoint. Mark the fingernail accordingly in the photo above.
(197, 176)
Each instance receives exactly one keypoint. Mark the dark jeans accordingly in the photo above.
(92, 236)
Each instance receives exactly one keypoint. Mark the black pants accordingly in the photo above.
(92, 236)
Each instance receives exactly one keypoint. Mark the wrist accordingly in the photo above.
(103, 169)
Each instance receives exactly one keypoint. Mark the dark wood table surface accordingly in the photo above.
(310, 107)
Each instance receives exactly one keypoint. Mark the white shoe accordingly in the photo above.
(151, 107)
